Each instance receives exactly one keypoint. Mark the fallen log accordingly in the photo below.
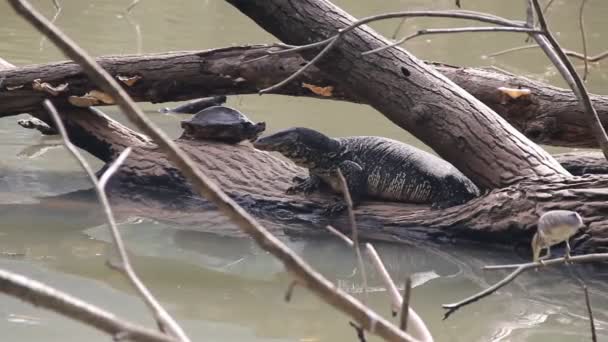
(549, 115)
(148, 184)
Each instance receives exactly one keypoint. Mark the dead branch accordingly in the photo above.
(417, 326)
(519, 269)
(396, 300)
(405, 307)
(131, 6)
(340, 235)
(555, 53)
(424, 32)
(328, 43)
(205, 187)
(569, 53)
(590, 314)
(44, 296)
(354, 232)
(58, 10)
(163, 319)
(581, 24)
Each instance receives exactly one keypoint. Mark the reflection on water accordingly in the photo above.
(222, 286)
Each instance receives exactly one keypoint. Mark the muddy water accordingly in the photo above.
(223, 288)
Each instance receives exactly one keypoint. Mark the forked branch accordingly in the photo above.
(519, 269)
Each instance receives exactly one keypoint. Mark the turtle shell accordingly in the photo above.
(222, 124)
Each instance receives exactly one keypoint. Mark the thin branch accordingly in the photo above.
(41, 295)
(519, 269)
(398, 28)
(290, 289)
(305, 275)
(452, 30)
(164, 320)
(354, 232)
(405, 306)
(451, 308)
(547, 6)
(137, 29)
(455, 14)
(329, 42)
(590, 314)
(569, 53)
(555, 53)
(418, 328)
(55, 16)
(131, 6)
(340, 235)
(360, 332)
(581, 24)
(302, 69)
(394, 295)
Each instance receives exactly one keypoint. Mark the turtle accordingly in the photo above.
(223, 124)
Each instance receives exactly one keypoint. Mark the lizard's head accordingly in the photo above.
(306, 147)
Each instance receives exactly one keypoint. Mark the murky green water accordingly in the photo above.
(223, 288)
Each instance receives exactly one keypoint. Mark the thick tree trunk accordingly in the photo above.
(549, 115)
(460, 128)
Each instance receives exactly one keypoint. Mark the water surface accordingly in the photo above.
(221, 287)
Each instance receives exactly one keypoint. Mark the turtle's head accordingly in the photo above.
(253, 130)
(306, 147)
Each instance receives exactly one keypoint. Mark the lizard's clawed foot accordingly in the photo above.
(334, 208)
(305, 185)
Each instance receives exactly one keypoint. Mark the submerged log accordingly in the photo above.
(549, 115)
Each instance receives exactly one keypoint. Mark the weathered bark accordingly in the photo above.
(582, 163)
(549, 115)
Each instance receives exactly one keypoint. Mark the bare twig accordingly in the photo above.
(555, 53)
(418, 328)
(164, 320)
(547, 6)
(360, 332)
(305, 275)
(302, 69)
(55, 16)
(569, 53)
(290, 289)
(131, 6)
(581, 24)
(329, 42)
(137, 29)
(451, 30)
(340, 235)
(398, 28)
(396, 299)
(519, 269)
(44, 296)
(354, 232)
(451, 308)
(590, 314)
(405, 306)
